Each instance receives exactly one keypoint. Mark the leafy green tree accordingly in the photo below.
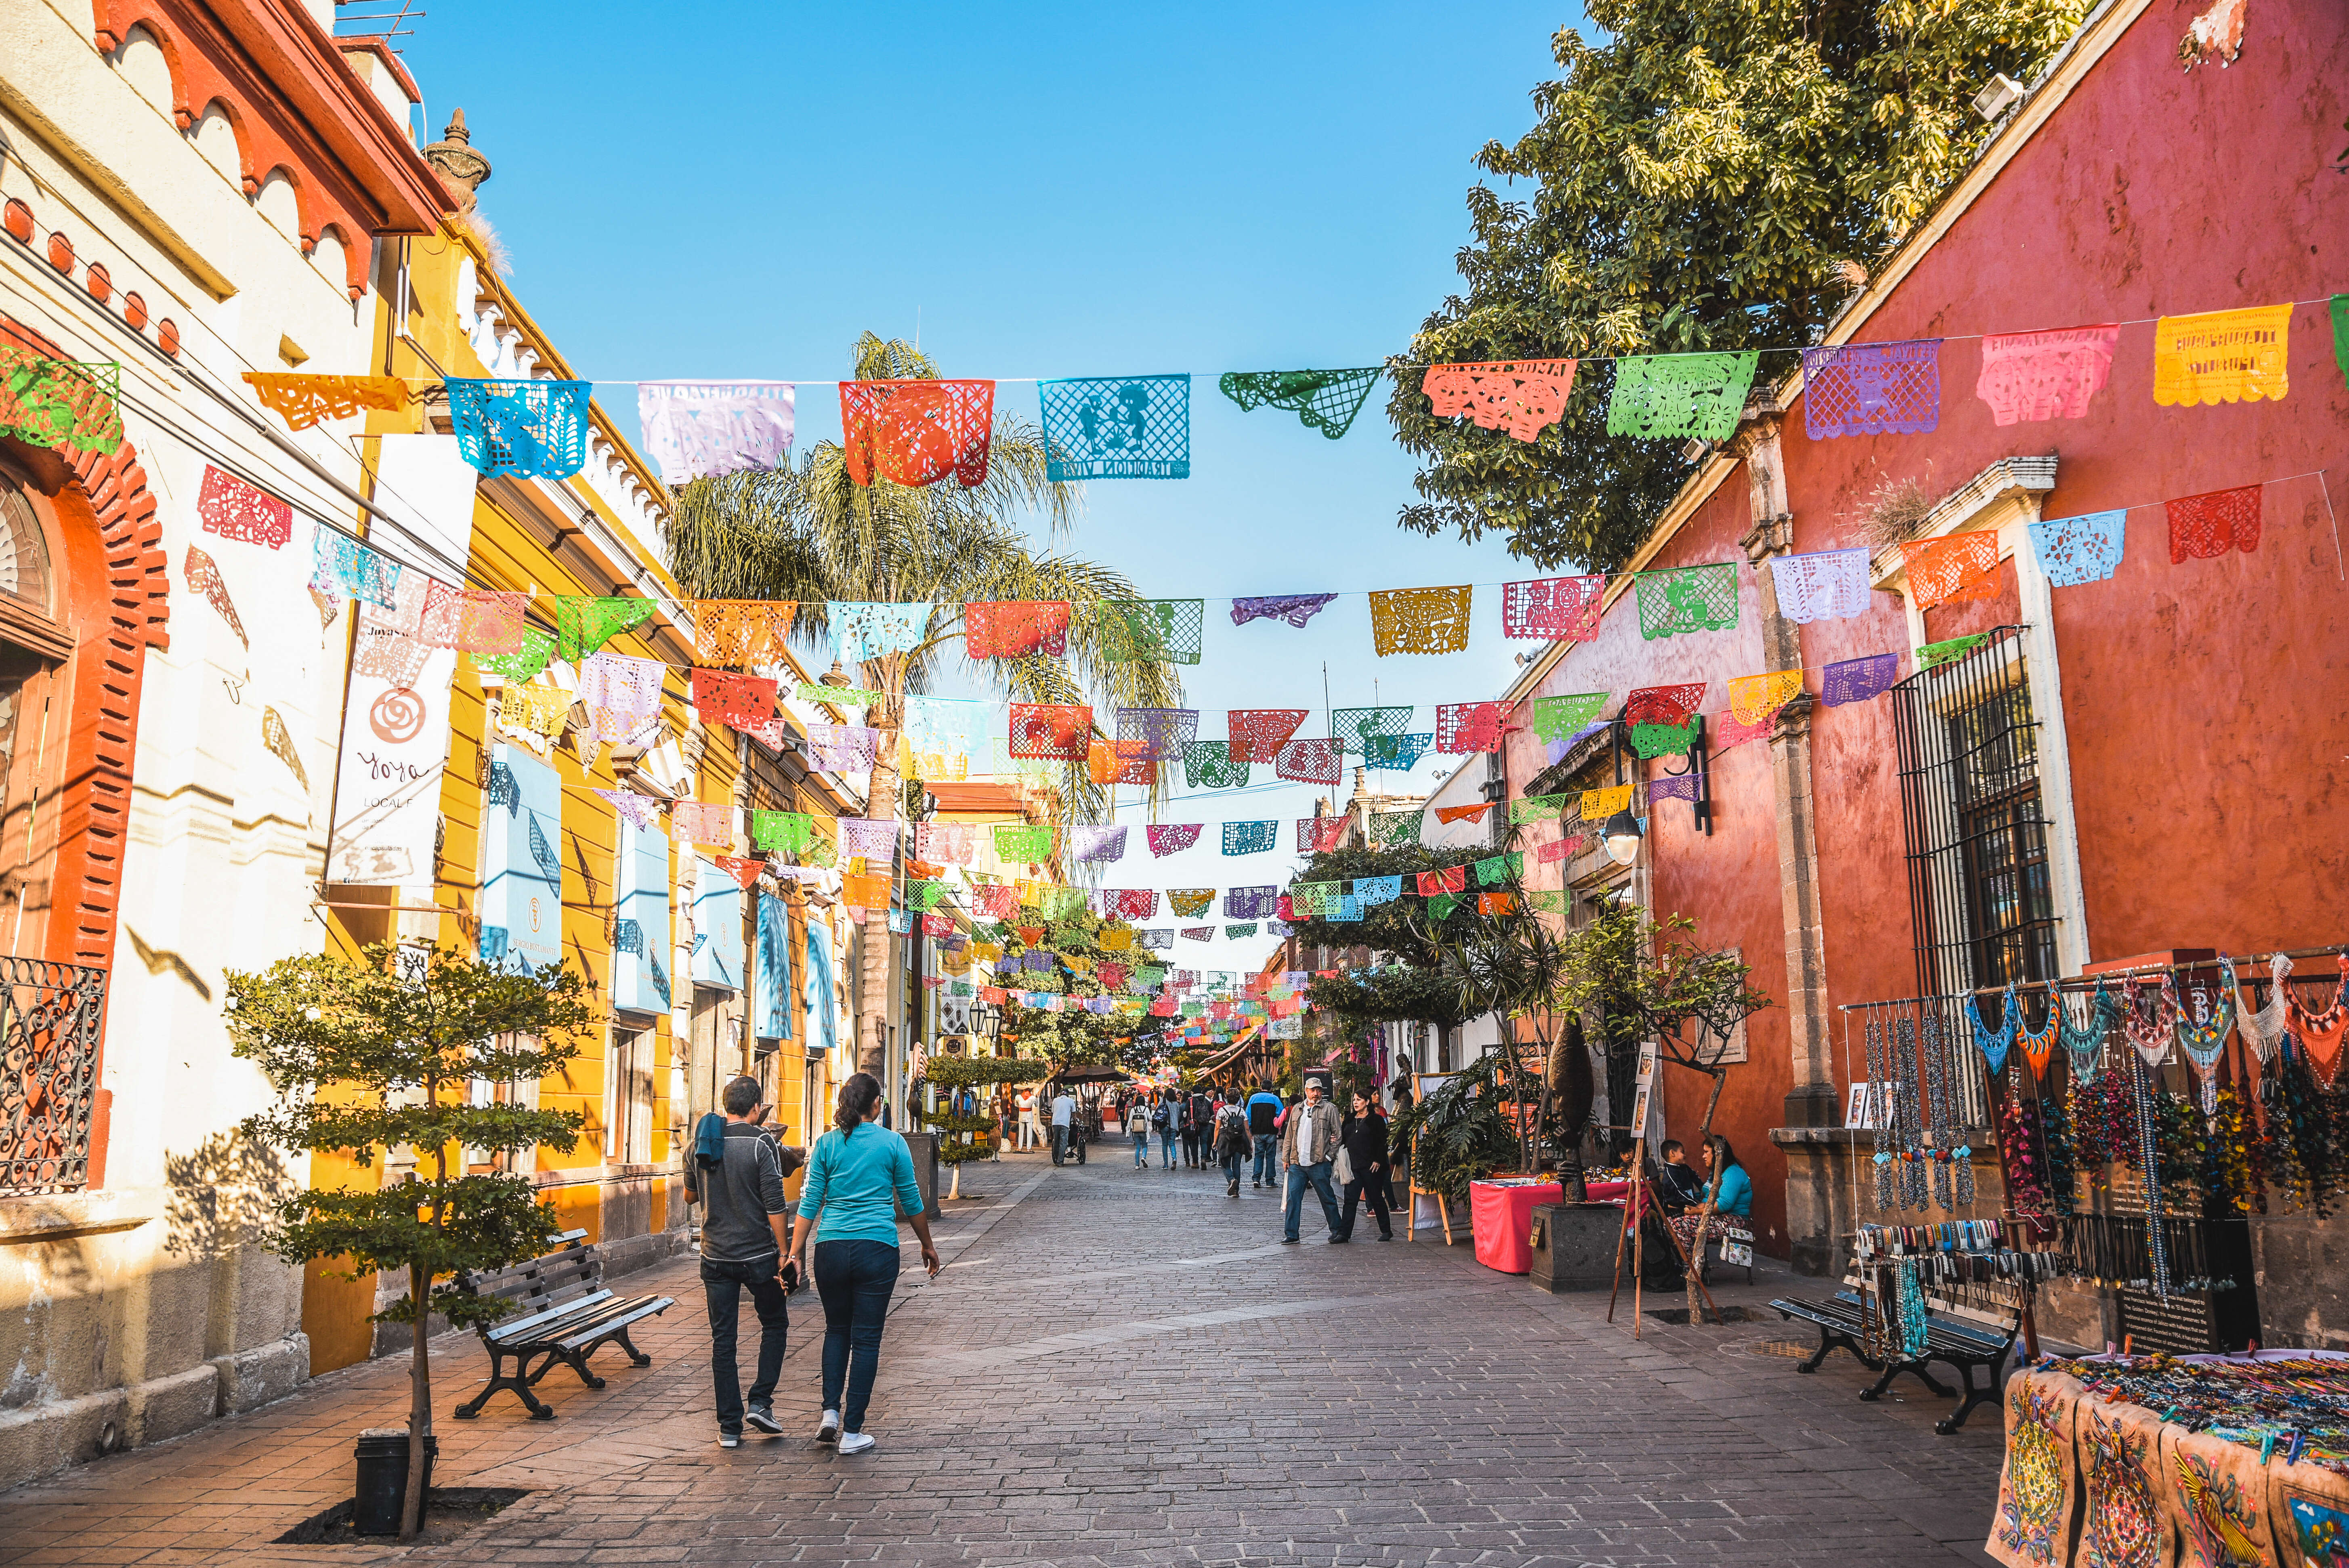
(381, 1054)
(1411, 987)
(960, 1135)
(1069, 1037)
(813, 534)
(1713, 174)
(1456, 1133)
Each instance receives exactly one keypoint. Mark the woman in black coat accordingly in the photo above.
(1364, 1134)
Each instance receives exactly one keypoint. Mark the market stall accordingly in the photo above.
(1501, 1218)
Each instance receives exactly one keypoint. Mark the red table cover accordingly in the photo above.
(1501, 1217)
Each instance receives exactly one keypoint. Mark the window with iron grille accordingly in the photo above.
(1975, 832)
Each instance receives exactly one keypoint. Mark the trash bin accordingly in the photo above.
(382, 1486)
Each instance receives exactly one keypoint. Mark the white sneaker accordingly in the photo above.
(828, 1429)
(855, 1442)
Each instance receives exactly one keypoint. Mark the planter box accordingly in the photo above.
(1574, 1246)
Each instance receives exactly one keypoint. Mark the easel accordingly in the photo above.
(1637, 1194)
(1413, 1190)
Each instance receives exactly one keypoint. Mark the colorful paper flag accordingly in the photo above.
(1672, 397)
(2222, 357)
(1679, 600)
(916, 432)
(1523, 396)
(1420, 620)
(1872, 388)
(2034, 376)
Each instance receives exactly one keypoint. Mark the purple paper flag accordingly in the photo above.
(1860, 680)
(1294, 608)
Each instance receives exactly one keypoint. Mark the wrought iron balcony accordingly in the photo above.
(49, 1019)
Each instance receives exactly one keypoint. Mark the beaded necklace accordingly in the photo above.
(1912, 1177)
(1908, 1304)
(1937, 1092)
(2148, 1152)
(2264, 1029)
(2038, 1048)
(1880, 1112)
(2085, 1046)
(2320, 1033)
(2202, 1043)
(2142, 1022)
(1994, 1043)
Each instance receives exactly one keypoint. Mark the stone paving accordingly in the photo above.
(1123, 1369)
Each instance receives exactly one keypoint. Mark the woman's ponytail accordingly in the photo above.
(857, 1098)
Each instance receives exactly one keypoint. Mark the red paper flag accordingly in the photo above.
(744, 872)
(1663, 704)
(1451, 879)
(740, 702)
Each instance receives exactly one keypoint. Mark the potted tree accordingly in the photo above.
(381, 1053)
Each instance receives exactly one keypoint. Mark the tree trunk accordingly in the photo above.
(1696, 1251)
(419, 1405)
(873, 990)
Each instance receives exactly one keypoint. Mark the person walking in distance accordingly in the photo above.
(1264, 1108)
(1309, 1142)
(858, 1176)
(1164, 1116)
(745, 1220)
(1028, 1133)
(1365, 1135)
(1233, 1143)
(1138, 1126)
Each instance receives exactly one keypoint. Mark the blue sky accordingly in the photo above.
(1066, 190)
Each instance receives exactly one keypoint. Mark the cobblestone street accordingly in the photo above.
(1124, 1367)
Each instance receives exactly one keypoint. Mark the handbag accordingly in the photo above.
(1344, 1170)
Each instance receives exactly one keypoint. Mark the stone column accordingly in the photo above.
(1811, 1101)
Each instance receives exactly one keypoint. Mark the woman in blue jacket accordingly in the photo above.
(1732, 1188)
(857, 1176)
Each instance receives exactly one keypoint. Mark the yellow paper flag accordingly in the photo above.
(2222, 357)
(1598, 805)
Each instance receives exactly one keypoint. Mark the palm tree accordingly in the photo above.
(813, 534)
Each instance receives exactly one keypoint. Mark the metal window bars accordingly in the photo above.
(49, 1018)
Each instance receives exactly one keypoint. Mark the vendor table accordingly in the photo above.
(1501, 1215)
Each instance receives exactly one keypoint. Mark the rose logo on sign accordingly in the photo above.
(398, 716)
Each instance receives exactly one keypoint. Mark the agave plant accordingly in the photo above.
(811, 533)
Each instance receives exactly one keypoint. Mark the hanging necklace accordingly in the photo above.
(2320, 1033)
(2264, 1030)
(2141, 1020)
(1937, 1100)
(1880, 1110)
(2085, 1046)
(1912, 1179)
(2037, 1048)
(1992, 1042)
(2202, 1043)
(2149, 1152)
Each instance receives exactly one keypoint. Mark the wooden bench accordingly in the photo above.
(563, 1312)
(1961, 1339)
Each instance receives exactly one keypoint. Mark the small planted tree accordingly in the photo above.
(381, 1054)
(961, 1133)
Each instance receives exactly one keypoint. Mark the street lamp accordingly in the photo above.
(1621, 836)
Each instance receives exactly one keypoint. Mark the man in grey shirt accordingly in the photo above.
(744, 1220)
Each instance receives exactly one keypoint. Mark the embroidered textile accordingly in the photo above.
(2077, 550)
(1559, 717)
(1676, 787)
(1500, 869)
(2222, 357)
(1355, 728)
(1171, 838)
(2034, 376)
(1956, 566)
(1560, 849)
(1140, 631)
(1310, 761)
(236, 509)
(1753, 699)
(534, 429)
(1394, 830)
(843, 747)
(1558, 609)
(1863, 679)
(730, 632)
(1465, 728)
(303, 400)
(1396, 751)
(1462, 814)
(1096, 843)
(622, 683)
(1825, 585)
(345, 566)
(699, 429)
(1056, 730)
(1671, 396)
(1664, 740)
(1665, 704)
(1023, 843)
(538, 711)
(581, 624)
(1209, 765)
(1294, 608)
(1249, 902)
(1325, 400)
(1872, 388)
(475, 622)
(536, 652)
(1015, 628)
(1540, 807)
(1686, 599)
(203, 577)
(641, 812)
(739, 701)
(2262, 1030)
(697, 822)
(1598, 805)
(1251, 838)
(60, 404)
(2207, 525)
(1190, 901)
(1420, 620)
(916, 432)
(1522, 397)
(1932, 655)
(1257, 734)
(1450, 879)
(1117, 428)
(1155, 734)
(1320, 835)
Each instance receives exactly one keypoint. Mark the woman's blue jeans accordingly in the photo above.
(855, 1280)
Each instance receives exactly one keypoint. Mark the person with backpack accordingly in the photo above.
(1233, 1143)
(1162, 1119)
(1138, 1126)
(737, 1175)
(1264, 1108)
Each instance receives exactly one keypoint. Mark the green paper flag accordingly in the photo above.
(1663, 739)
(1687, 599)
(2340, 334)
(1666, 397)
(1542, 808)
(1325, 400)
(1559, 717)
(1933, 654)
(791, 831)
(1500, 868)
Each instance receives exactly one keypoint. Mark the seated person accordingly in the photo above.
(1678, 1188)
(1732, 1188)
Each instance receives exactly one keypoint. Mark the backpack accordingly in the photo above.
(1158, 1117)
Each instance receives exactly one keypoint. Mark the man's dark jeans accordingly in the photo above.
(855, 1280)
(1267, 1145)
(723, 1284)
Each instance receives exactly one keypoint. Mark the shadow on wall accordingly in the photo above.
(223, 1196)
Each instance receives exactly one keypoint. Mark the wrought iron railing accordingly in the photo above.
(49, 1019)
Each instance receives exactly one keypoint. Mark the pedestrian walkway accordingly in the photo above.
(1123, 1367)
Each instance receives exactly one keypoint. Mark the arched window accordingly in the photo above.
(35, 715)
